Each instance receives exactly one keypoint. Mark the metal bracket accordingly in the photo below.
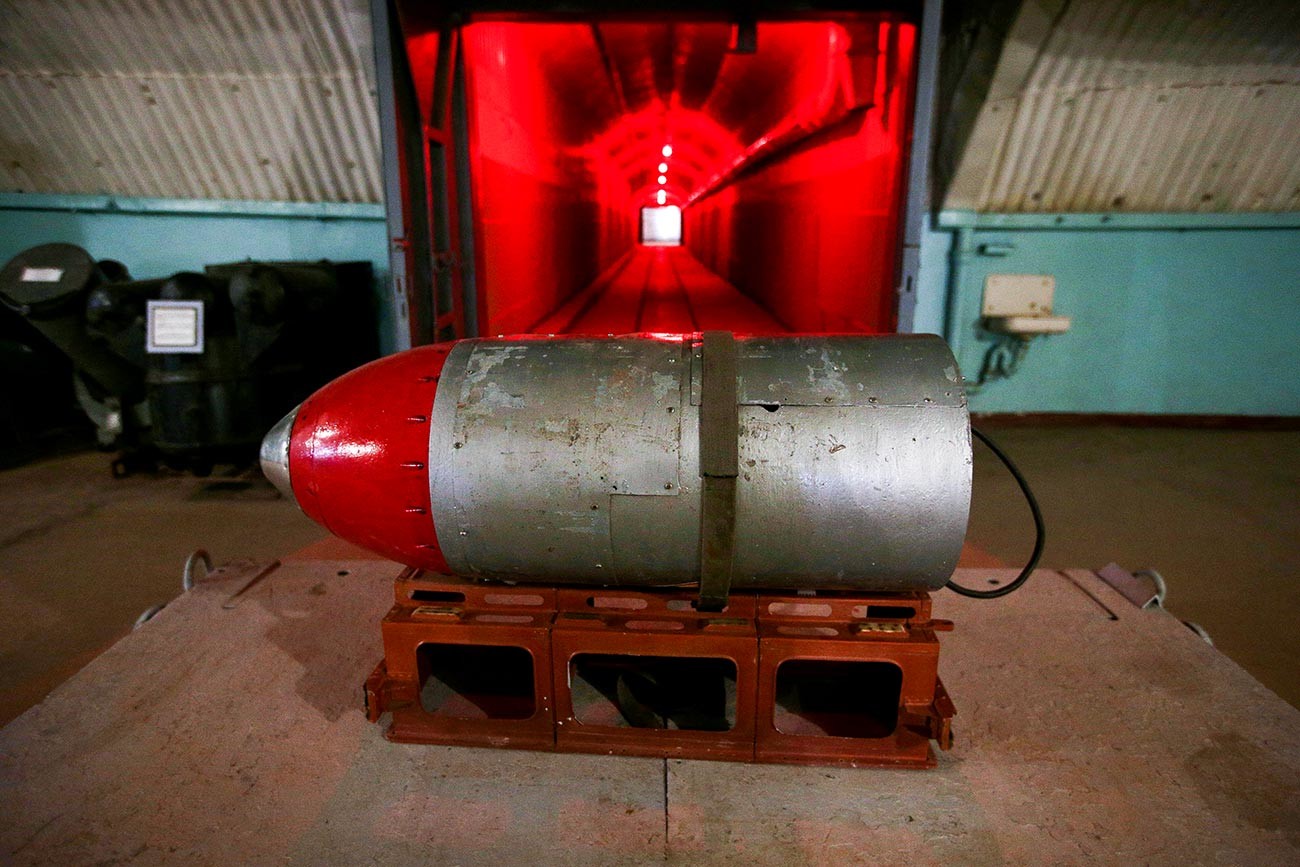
(996, 248)
(1141, 593)
(719, 466)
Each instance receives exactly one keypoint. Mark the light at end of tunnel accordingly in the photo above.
(663, 179)
(668, 150)
(661, 197)
(661, 226)
(663, 167)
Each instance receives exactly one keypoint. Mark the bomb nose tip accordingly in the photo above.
(275, 454)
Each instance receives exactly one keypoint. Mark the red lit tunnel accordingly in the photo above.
(783, 146)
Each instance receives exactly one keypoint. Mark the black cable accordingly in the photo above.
(1040, 532)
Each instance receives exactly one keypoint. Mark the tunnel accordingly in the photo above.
(668, 174)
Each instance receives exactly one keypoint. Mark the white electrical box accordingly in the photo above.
(1021, 304)
(1018, 294)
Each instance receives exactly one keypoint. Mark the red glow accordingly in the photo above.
(787, 162)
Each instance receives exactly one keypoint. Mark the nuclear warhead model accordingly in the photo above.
(802, 462)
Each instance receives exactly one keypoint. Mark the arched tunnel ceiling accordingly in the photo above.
(1155, 106)
(618, 92)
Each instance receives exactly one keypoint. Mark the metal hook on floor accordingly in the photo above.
(1199, 630)
(187, 576)
(1162, 589)
(147, 615)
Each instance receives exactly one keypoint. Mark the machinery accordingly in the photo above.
(192, 368)
(38, 408)
(754, 524)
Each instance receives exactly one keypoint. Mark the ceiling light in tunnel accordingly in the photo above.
(663, 179)
(668, 150)
(663, 167)
(661, 197)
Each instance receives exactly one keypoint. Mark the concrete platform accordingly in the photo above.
(230, 731)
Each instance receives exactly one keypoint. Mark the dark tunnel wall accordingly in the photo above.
(546, 223)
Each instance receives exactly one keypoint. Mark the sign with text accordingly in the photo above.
(174, 326)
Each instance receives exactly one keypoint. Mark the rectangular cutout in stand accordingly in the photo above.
(476, 681)
(837, 698)
(654, 692)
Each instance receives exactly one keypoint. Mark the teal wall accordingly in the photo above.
(1183, 314)
(1177, 314)
(158, 237)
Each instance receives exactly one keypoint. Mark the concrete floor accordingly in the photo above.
(1217, 513)
(82, 554)
(219, 736)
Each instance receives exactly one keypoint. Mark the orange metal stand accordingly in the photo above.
(466, 664)
(643, 639)
(851, 680)
(805, 679)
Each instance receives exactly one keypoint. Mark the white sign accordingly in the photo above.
(174, 326)
(42, 275)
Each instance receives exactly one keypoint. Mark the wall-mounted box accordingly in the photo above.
(1021, 304)
(1018, 295)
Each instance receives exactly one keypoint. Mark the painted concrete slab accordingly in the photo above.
(1087, 730)
(226, 736)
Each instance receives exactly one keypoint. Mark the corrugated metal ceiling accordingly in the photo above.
(1160, 105)
(1097, 105)
(248, 99)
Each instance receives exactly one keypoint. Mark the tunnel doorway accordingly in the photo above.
(578, 137)
(661, 226)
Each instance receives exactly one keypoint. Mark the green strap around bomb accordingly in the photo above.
(719, 466)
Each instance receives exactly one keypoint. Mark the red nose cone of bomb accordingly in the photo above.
(355, 456)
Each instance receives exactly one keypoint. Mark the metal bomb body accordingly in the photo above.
(578, 460)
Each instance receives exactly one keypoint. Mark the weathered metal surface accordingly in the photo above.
(851, 497)
(257, 100)
(905, 370)
(532, 440)
(577, 460)
(1109, 105)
